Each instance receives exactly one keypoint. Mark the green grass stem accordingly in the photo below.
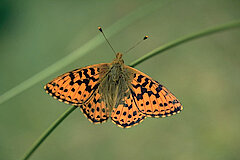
(47, 132)
(184, 39)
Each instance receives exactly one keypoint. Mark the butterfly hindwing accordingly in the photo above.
(126, 114)
(95, 109)
(151, 98)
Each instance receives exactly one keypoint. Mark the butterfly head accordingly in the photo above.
(118, 59)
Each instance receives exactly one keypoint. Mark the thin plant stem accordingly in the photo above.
(184, 39)
(45, 134)
(138, 61)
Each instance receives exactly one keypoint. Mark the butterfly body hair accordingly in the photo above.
(115, 83)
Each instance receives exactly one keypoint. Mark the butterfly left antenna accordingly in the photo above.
(100, 29)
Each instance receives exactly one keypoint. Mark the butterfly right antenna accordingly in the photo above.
(100, 29)
(144, 38)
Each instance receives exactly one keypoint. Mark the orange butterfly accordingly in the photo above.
(116, 90)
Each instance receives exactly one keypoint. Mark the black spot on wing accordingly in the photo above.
(92, 71)
(91, 118)
(139, 79)
(124, 125)
(71, 83)
(85, 73)
(146, 82)
(80, 74)
(134, 113)
(71, 75)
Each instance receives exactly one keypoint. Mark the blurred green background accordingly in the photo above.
(204, 74)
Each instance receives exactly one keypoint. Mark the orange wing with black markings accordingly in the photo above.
(80, 88)
(151, 98)
(126, 114)
(95, 109)
(146, 98)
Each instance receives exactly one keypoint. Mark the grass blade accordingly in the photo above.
(184, 39)
(48, 132)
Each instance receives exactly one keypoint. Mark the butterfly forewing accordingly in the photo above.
(151, 98)
(80, 87)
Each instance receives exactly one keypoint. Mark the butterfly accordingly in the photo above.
(114, 90)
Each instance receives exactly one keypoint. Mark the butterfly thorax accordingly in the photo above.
(114, 83)
(116, 69)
